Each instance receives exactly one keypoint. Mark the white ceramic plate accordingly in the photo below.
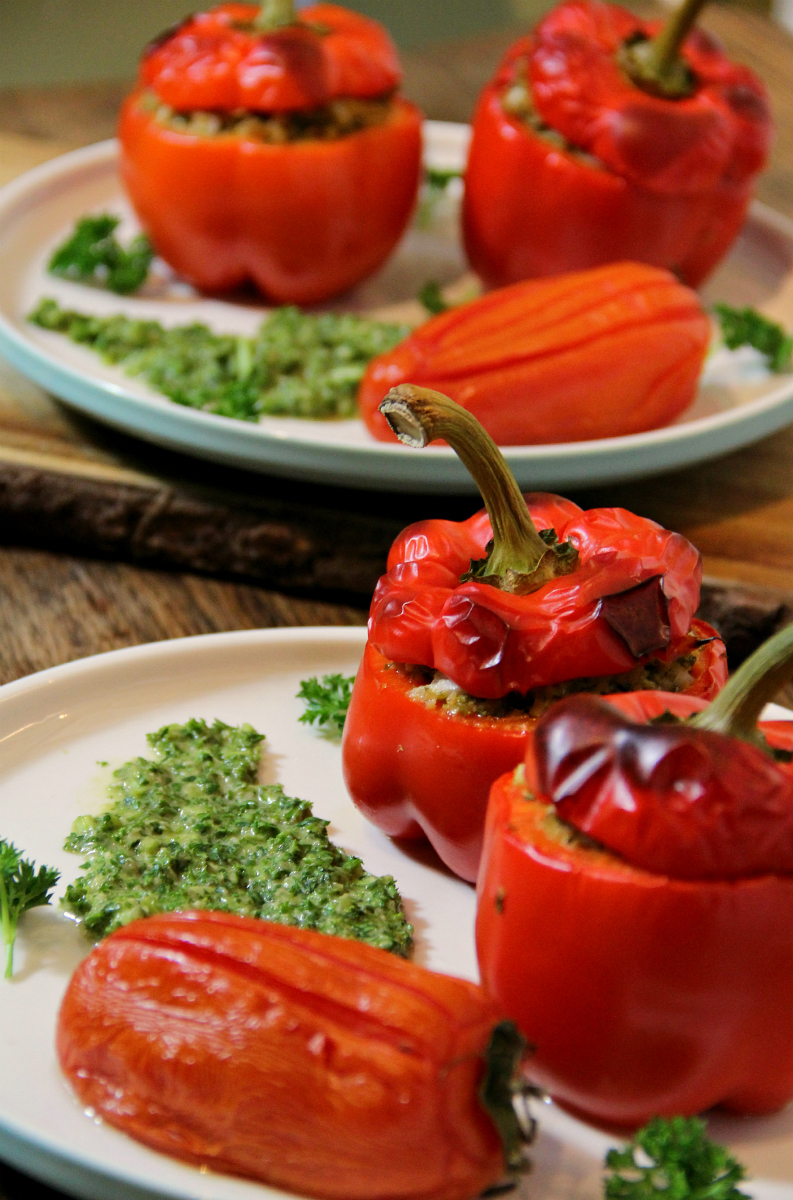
(738, 403)
(55, 729)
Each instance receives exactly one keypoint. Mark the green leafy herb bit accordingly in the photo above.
(431, 297)
(439, 177)
(21, 888)
(675, 1160)
(748, 327)
(93, 254)
(192, 828)
(327, 701)
(297, 365)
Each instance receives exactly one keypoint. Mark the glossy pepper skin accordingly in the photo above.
(607, 171)
(308, 1062)
(591, 354)
(425, 772)
(644, 994)
(304, 220)
(491, 642)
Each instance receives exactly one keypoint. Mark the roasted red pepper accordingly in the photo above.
(654, 869)
(602, 593)
(602, 137)
(282, 179)
(308, 1062)
(592, 354)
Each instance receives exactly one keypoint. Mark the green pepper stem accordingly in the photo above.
(757, 681)
(275, 14)
(418, 416)
(655, 64)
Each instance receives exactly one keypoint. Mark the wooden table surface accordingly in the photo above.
(56, 606)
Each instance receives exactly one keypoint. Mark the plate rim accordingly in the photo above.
(86, 1180)
(381, 465)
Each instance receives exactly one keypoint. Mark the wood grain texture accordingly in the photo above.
(55, 608)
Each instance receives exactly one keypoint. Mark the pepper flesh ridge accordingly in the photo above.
(419, 772)
(645, 996)
(308, 1062)
(490, 642)
(594, 354)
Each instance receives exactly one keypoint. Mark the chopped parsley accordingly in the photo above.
(675, 1160)
(21, 888)
(326, 702)
(297, 365)
(748, 327)
(94, 255)
(192, 828)
(431, 297)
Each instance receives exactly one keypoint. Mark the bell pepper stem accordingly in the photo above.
(275, 14)
(503, 1094)
(419, 416)
(655, 64)
(757, 681)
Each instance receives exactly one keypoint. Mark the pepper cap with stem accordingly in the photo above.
(655, 64)
(275, 14)
(736, 709)
(519, 559)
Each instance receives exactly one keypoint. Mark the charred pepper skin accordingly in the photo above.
(491, 642)
(644, 995)
(305, 1061)
(304, 220)
(421, 772)
(663, 181)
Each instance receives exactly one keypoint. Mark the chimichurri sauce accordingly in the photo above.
(192, 828)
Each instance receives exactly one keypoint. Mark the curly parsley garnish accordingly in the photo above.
(673, 1159)
(327, 701)
(94, 255)
(748, 327)
(21, 888)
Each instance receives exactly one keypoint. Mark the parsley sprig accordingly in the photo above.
(673, 1159)
(327, 701)
(93, 254)
(21, 888)
(748, 327)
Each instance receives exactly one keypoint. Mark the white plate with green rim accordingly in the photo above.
(739, 401)
(63, 731)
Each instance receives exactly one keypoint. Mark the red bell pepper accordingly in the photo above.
(305, 211)
(308, 1062)
(603, 594)
(653, 867)
(593, 354)
(604, 137)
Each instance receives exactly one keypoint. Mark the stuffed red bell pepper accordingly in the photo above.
(479, 625)
(604, 137)
(591, 354)
(652, 863)
(266, 146)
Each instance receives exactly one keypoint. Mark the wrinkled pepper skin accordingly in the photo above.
(307, 1062)
(672, 799)
(491, 642)
(418, 772)
(592, 354)
(663, 181)
(644, 995)
(304, 220)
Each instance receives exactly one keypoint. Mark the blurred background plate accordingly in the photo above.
(738, 403)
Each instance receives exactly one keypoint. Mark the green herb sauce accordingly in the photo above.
(192, 828)
(297, 365)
